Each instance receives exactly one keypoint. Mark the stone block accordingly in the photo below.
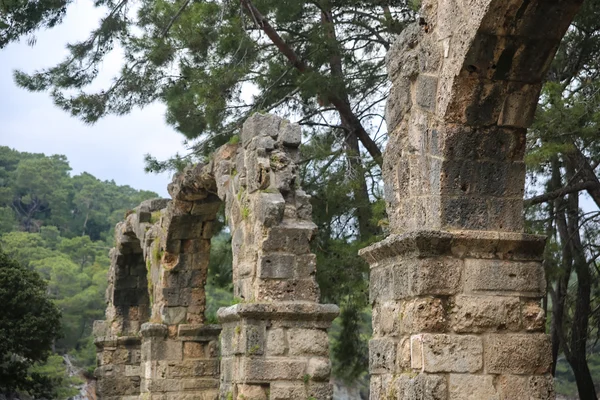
(193, 350)
(276, 342)
(382, 356)
(288, 290)
(472, 314)
(506, 214)
(319, 390)
(269, 208)
(290, 135)
(473, 387)
(154, 349)
(290, 238)
(253, 392)
(276, 266)
(305, 266)
(252, 338)
(519, 105)
(305, 342)
(318, 369)
(165, 385)
(403, 354)
(287, 391)
(446, 353)
(259, 370)
(425, 314)
(198, 384)
(118, 386)
(533, 316)
(434, 276)
(184, 227)
(513, 353)
(426, 91)
(539, 387)
(193, 368)
(173, 315)
(507, 277)
(303, 206)
(386, 318)
(420, 387)
(415, 277)
(133, 370)
(465, 212)
(259, 124)
(380, 285)
(398, 102)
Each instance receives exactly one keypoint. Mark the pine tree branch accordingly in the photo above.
(586, 172)
(578, 187)
(175, 17)
(346, 114)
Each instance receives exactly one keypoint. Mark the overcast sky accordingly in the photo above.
(114, 147)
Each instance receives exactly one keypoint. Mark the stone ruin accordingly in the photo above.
(154, 343)
(455, 288)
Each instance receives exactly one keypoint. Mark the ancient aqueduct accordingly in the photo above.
(455, 288)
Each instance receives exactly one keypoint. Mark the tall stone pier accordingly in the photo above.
(274, 344)
(456, 287)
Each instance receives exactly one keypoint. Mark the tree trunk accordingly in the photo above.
(360, 189)
(560, 292)
(586, 173)
(579, 332)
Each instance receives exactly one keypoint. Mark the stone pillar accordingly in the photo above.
(456, 287)
(118, 371)
(274, 343)
(457, 315)
(117, 338)
(276, 351)
(154, 341)
(186, 364)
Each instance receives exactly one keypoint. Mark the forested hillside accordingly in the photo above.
(61, 226)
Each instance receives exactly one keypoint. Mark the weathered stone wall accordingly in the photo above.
(274, 344)
(456, 287)
(154, 343)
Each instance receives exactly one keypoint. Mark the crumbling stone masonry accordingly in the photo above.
(154, 343)
(456, 287)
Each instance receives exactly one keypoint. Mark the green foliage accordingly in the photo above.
(37, 191)
(220, 264)
(23, 17)
(561, 145)
(29, 324)
(196, 56)
(65, 240)
(245, 212)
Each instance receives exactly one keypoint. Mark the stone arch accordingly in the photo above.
(466, 80)
(270, 342)
(456, 287)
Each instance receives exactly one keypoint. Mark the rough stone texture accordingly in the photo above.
(466, 80)
(154, 341)
(281, 346)
(456, 287)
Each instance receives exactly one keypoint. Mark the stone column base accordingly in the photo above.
(456, 315)
(182, 364)
(118, 371)
(276, 351)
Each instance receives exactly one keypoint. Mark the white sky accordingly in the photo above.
(114, 147)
